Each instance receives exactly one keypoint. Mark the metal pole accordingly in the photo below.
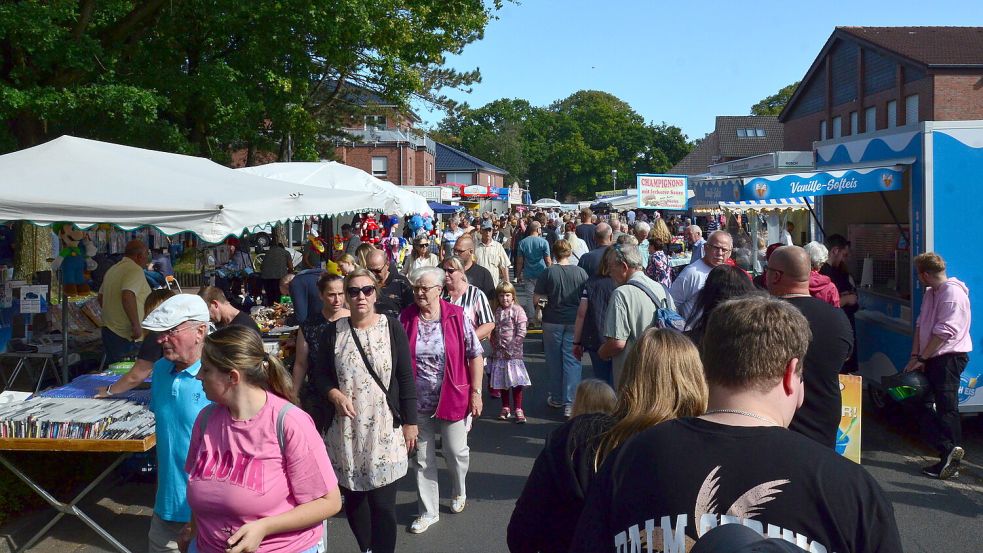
(814, 217)
(64, 329)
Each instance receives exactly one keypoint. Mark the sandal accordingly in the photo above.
(520, 417)
(505, 414)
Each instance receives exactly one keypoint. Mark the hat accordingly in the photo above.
(486, 224)
(737, 538)
(176, 310)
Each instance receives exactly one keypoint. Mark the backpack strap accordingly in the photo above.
(287, 407)
(659, 303)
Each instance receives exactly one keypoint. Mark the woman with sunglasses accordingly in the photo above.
(421, 256)
(447, 363)
(363, 368)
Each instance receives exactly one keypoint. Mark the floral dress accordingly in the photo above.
(658, 268)
(506, 365)
(366, 451)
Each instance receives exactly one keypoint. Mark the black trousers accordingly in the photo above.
(372, 517)
(271, 287)
(943, 426)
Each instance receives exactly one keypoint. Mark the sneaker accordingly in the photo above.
(553, 403)
(457, 504)
(567, 411)
(421, 523)
(505, 414)
(520, 417)
(951, 463)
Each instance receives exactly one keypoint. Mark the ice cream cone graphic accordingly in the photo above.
(761, 190)
(886, 180)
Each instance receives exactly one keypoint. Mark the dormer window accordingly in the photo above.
(750, 133)
(375, 122)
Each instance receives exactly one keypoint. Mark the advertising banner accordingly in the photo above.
(848, 433)
(662, 191)
(850, 181)
(712, 192)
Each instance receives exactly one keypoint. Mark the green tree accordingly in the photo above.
(774, 104)
(204, 76)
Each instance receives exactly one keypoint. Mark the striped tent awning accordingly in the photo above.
(770, 205)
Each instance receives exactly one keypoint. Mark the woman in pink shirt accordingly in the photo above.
(259, 475)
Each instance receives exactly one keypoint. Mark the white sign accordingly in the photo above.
(8, 292)
(662, 192)
(475, 190)
(33, 299)
(759, 163)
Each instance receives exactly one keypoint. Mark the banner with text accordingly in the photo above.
(849, 181)
(662, 191)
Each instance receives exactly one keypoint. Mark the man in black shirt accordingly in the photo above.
(591, 261)
(832, 340)
(222, 313)
(586, 230)
(395, 291)
(836, 269)
(478, 276)
(738, 464)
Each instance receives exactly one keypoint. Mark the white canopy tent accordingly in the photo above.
(387, 197)
(88, 182)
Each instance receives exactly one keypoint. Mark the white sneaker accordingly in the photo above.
(421, 523)
(457, 504)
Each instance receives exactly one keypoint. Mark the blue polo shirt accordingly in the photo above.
(175, 398)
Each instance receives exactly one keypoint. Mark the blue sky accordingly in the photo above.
(679, 62)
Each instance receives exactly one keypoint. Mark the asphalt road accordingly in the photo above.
(933, 516)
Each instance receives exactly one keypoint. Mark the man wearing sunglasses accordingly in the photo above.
(689, 283)
(395, 291)
(478, 275)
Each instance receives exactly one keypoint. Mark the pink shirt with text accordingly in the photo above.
(237, 474)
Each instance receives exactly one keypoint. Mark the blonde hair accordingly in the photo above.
(363, 251)
(662, 380)
(239, 348)
(505, 287)
(347, 258)
(660, 234)
(157, 297)
(593, 396)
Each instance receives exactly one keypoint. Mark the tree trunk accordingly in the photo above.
(28, 129)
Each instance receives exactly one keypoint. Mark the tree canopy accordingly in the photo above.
(569, 147)
(774, 104)
(206, 76)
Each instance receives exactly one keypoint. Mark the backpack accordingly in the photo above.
(208, 409)
(664, 316)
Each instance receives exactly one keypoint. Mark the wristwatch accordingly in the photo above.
(476, 391)
(109, 390)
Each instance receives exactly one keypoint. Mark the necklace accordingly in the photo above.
(742, 413)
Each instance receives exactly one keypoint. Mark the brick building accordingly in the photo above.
(733, 137)
(455, 166)
(867, 79)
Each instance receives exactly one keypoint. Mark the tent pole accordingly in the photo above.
(64, 328)
(815, 218)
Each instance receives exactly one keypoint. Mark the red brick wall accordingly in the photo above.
(958, 97)
(413, 168)
(423, 168)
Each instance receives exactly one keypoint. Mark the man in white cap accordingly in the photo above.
(176, 397)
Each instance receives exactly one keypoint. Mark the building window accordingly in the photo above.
(870, 119)
(750, 133)
(377, 122)
(854, 123)
(380, 167)
(911, 109)
(837, 126)
(822, 130)
(759, 133)
(741, 133)
(467, 179)
(892, 114)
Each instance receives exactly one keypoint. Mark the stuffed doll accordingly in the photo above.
(371, 233)
(74, 258)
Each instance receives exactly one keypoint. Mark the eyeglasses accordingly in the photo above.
(420, 288)
(450, 270)
(366, 291)
(461, 252)
(420, 245)
(174, 331)
(721, 249)
(377, 271)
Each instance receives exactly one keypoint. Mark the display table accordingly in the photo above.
(122, 449)
(27, 360)
(679, 261)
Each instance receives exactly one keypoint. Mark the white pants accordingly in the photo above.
(456, 455)
(163, 535)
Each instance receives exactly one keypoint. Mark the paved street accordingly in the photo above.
(933, 516)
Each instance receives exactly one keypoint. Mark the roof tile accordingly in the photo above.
(931, 46)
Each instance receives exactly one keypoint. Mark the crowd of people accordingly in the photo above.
(676, 434)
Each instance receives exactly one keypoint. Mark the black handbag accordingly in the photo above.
(397, 418)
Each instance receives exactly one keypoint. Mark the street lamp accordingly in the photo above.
(614, 179)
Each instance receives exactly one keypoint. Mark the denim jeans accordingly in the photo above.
(564, 368)
(602, 368)
(115, 346)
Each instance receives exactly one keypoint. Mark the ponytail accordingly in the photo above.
(240, 348)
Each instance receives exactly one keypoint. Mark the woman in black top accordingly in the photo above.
(331, 289)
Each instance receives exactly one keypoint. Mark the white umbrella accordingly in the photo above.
(387, 197)
(88, 182)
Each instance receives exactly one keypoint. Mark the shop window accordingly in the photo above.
(380, 167)
(837, 126)
(870, 119)
(892, 114)
(911, 109)
(822, 130)
(854, 123)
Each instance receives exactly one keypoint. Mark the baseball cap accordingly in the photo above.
(737, 538)
(486, 224)
(176, 310)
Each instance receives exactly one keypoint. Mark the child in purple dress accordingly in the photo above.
(508, 371)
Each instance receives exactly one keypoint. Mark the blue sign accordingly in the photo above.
(850, 181)
(712, 192)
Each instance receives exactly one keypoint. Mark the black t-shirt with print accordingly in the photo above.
(832, 342)
(674, 482)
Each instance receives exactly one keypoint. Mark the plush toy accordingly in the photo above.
(74, 258)
(393, 243)
(419, 223)
(371, 233)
